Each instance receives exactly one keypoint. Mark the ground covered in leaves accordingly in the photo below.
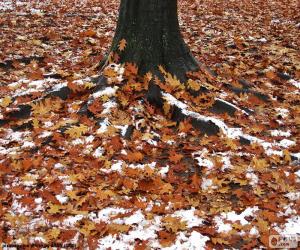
(126, 176)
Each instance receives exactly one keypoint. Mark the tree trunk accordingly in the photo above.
(151, 30)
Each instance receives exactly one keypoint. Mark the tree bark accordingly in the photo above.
(151, 30)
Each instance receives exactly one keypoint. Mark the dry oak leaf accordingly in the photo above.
(174, 157)
(110, 72)
(134, 156)
(54, 209)
(131, 69)
(77, 131)
(193, 85)
(87, 228)
(44, 107)
(117, 228)
(53, 233)
(122, 44)
(166, 239)
(5, 102)
(173, 224)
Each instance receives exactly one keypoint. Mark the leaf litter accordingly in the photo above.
(68, 178)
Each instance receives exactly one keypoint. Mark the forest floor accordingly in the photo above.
(127, 176)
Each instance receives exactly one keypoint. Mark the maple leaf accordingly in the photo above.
(122, 44)
(77, 131)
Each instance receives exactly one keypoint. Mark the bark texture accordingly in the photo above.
(152, 32)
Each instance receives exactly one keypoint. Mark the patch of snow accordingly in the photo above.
(62, 198)
(221, 226)
(45, 134)
(206, 183)
(232, 216)
(48, 124)
(59, 166)
(285, 143)
(28, 144)
(202, 161)
(295, 83)
(291, 227)
(189, 216)
(103, 126)
(254, 231)
(77, 141)
(89, 139)
(280, 133)
(232, 105)
(98, 152)
(196, 241)
(109, 91)
(283, 112)
(70, 221)
(164, 170)
(123, 129)
(253, 178)
(38, 200)
(108, 106)
(293, 196)
(142, 166)
(106, 213)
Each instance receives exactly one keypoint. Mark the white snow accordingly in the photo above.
(233, 216)
(109, 91)
(206, 183)
(291, 227)
(221, 226)
(103, 126)
(254, 231)
(196, 241)
(98, 152)
(106, 213)
(295, 83)
(232, 133)
(62, 198)
(280, 133)
(189, 216)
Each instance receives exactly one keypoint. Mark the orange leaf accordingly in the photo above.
(134, 156)
(122, 44)
(174, 157)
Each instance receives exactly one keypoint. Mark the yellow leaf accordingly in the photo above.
(162, 70)
(35, 123)
(87, 228)
(259, 164)
(77, 131)
(73, 195)
(5, 102)
(122, 44)
(174, 224)
(117, 228)
(219, 241)
(54, 209)
(89, 85)
(166, 108)
(193, 85)
(53, 233)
